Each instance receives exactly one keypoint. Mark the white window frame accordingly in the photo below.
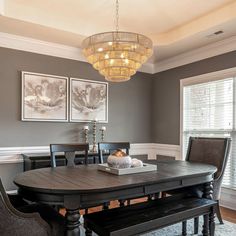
(203, 78)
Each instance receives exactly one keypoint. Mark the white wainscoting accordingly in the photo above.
(13, 154)
(11, 163)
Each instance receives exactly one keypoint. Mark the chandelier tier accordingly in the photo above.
(117, 55)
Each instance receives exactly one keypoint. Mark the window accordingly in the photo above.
(209, 110)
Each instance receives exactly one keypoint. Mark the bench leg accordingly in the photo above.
(212, 223)
(122, 203)
(205, 229)
(196, 225)
(106, 206)
(88, 232)
(184, 228)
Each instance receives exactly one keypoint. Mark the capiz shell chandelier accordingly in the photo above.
(117, 55)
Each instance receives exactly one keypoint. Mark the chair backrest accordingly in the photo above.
(212, 151)
(110, 147)
(70, 151)
(13, 222)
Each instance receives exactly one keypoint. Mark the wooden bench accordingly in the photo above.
(151, 215)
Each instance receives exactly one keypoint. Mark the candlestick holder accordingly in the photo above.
(86, 129)
(103, 129)
(94, 149)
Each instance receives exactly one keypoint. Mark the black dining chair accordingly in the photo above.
(212, 151)
(69, 151)
(28, 220)
(107, 148)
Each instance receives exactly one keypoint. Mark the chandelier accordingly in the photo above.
(117, 55)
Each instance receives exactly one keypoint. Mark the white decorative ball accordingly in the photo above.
(136, 163)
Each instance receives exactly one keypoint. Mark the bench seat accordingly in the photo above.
(151, 215)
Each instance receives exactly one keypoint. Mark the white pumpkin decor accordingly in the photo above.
(136, 163)
(119, 160)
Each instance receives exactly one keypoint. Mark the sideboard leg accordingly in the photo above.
(72, 222)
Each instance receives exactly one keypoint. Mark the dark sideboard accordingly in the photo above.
(42, 160)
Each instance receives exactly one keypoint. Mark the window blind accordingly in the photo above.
(209, 111)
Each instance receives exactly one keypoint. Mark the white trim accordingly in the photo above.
(227, 198)
(74, 53)
(39, 46)
(203, 78)
(12, 155)
(2, 7)
(48, 48)
(210, 50)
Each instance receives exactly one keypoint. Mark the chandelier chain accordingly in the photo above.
(117, 15)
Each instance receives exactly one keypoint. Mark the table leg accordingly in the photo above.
(72, 222)
(208, 190)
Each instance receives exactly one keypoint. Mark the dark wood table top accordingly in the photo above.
(88, 179)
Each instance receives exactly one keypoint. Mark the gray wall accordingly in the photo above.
(129, 103)
(166, 95)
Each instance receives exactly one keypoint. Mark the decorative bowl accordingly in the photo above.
(119, 160)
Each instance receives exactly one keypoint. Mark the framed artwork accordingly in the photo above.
(88, 101)
(44, 97)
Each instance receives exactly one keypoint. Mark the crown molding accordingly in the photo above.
(59, 50)
(48, 48)
(210, 50)
(2, 7)
(41, 47)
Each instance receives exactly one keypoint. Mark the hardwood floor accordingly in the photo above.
(227, 214)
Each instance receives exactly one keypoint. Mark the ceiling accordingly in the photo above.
(174, 26)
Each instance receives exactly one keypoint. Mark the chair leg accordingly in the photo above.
(205, 228)
(212, 222)
(196, 225)
(218, 213)
(184, 228)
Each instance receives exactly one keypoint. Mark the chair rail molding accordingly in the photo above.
(13, 154)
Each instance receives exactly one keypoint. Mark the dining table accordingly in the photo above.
(84, 186)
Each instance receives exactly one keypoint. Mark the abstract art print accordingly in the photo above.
(44, 97)
(88, 101)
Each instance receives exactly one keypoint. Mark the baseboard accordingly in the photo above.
(228, 198)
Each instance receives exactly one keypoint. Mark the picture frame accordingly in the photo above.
(88, 100)
(44, 97)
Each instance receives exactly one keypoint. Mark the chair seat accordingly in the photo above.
(47, 213)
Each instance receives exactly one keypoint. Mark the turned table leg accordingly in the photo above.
(72, 222)
(208, 190)
(207, 193)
